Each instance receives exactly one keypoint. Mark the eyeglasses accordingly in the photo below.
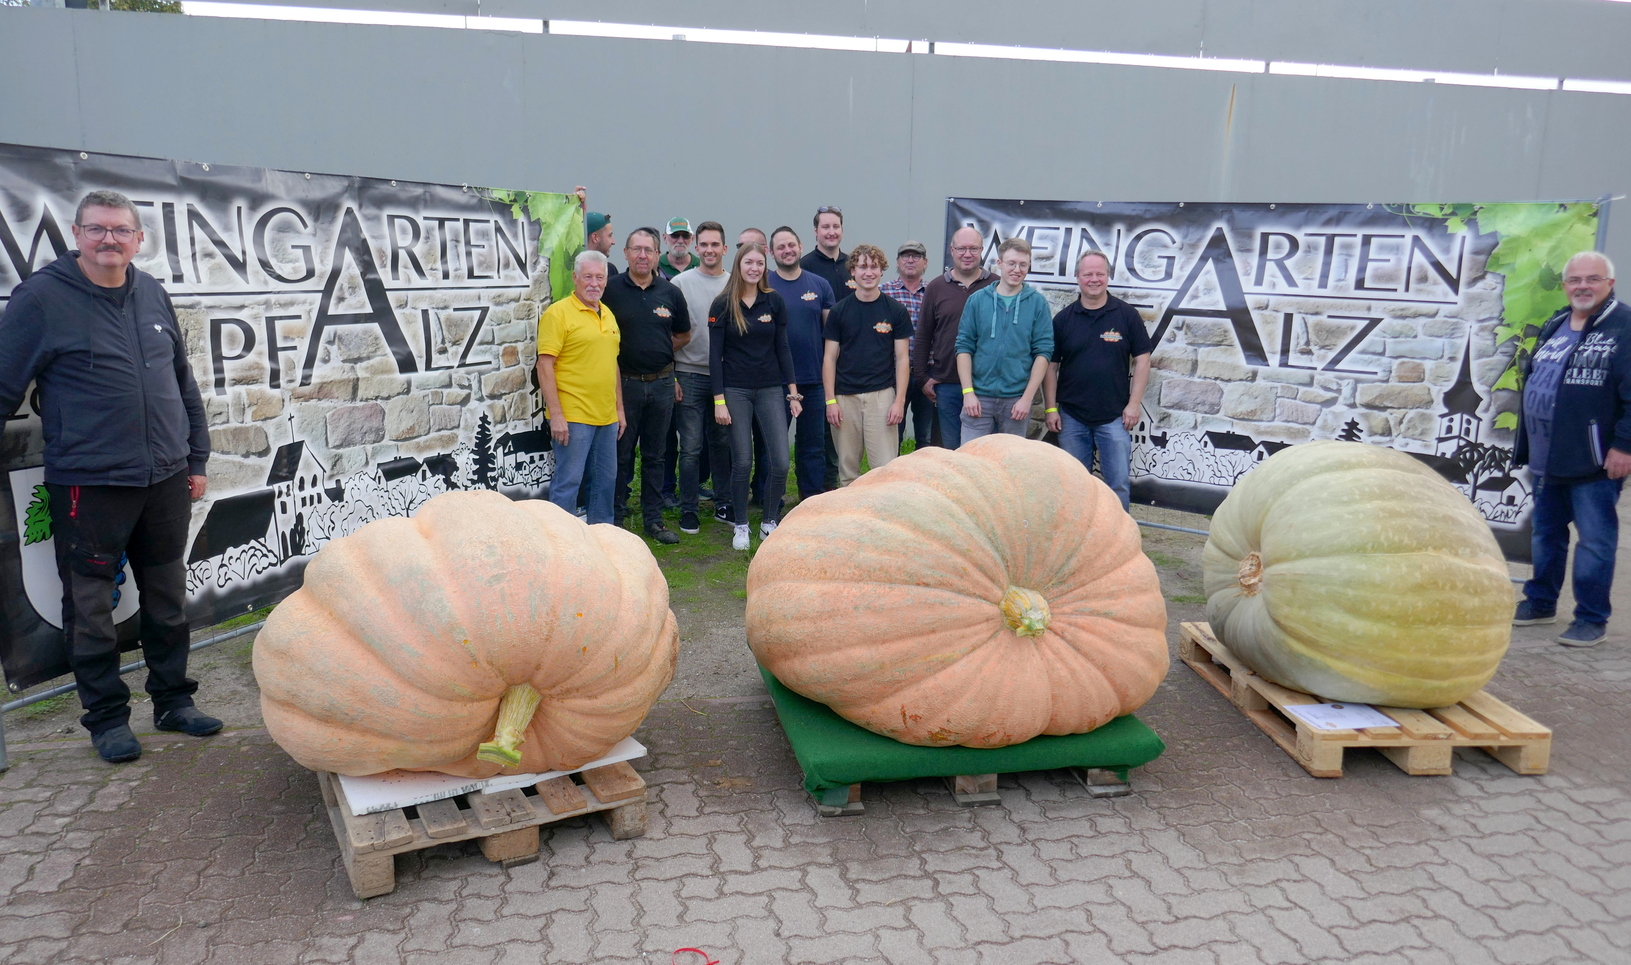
(641, 250)
(1588, 280)
(96, 232)
(967, 249)
(829, 209)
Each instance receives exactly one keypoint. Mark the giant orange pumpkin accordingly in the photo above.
(978, 597)
(481, 634)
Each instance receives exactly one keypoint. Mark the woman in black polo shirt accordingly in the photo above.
(752, 371)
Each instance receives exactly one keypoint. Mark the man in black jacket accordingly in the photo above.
(1575, 436)
(125, 448)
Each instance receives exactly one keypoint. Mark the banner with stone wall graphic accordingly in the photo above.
(1275, 324)
(360, 344)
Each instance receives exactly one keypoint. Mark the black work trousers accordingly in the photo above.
(94, 528)
(649, 408)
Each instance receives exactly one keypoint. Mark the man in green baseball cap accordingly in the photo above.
(679, 256)
(598, 226)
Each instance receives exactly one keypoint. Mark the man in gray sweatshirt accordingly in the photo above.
(694, 412)
(1004, 343)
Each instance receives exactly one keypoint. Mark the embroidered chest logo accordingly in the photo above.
(808, 296)
(661, 311)
(1111, 336)
(850, 283)
(883, 328)
(767, 318)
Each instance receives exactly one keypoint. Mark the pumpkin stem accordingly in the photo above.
(1025, 612)
(515, 712)
(1251, 574)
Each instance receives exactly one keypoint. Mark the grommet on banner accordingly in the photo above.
(206, 167)
(1369, 206)
(1271, 207)
(308, 177)
(83, 156)
(393, 184)
(1180, 204)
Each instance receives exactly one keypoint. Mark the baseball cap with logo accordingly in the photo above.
(679, 226)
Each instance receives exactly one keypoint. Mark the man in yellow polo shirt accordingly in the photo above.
(578, 342)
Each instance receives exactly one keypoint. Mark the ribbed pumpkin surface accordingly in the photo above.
(978, 597)
(1358, 574)
(406, 635)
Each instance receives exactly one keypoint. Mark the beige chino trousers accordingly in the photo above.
(865, 426)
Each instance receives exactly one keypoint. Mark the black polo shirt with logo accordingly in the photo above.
(834, 270)
(866, 333)
(1094, 349)
(648, 319)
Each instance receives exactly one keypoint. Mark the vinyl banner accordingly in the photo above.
(361, 345)
(1276, 324)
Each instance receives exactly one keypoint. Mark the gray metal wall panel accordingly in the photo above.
(657, 129)
(1578, 38)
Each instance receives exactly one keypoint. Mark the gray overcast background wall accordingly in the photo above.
(760, 135)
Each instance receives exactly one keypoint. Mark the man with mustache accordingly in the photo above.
(1574, 433)
(125, 446)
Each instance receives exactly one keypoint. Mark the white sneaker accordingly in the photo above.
(740, 540)
(766, 528)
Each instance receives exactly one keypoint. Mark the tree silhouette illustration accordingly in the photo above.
(484, 453)
(1350, 432)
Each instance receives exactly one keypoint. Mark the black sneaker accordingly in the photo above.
(187, 720)
(663, 535)
(689, 523)
(116, 745)
(722, 512)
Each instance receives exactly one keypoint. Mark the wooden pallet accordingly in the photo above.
(973, 791)
(1423, 744)
(505, 824)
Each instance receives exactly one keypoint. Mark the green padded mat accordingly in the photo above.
(835, 753)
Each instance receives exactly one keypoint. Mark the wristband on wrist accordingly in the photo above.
(832, 401)
(719, 400)
(967, 391)
(1050, 410)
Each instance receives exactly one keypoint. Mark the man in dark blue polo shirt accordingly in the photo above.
(808, 298)
(654, 320)
(1094, 386)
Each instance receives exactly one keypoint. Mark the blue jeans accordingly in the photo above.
(702, 440)
(1113, 442)
(589, 455)
(948, 401)
(1591, 507)
(921, 410)
(767, 409)
(810, 441)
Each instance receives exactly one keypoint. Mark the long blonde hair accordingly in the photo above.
(734, 286)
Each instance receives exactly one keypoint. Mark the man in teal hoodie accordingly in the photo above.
(1004, 343)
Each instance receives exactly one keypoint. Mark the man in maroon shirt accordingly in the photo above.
(934, 351)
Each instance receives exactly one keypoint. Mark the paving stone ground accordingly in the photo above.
(1227, 852)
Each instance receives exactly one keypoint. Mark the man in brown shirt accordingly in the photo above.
(934, 353)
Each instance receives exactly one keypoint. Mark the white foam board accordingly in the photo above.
(400, 789)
